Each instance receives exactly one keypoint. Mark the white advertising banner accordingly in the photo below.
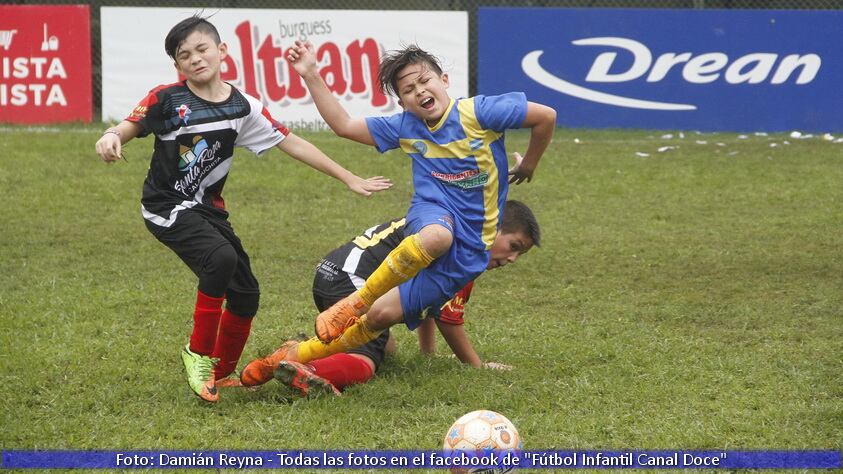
(349, 44)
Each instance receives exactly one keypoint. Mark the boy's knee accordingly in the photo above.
(244, 305)
(382, 317)
(435, 239)
(222, 261)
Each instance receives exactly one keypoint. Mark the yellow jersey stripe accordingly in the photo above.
(486, 162)
(365, 242)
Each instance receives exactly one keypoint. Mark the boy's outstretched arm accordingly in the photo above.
(542, 120)
(303, 58)
(304, 151)
(110, 146)
(457, 340)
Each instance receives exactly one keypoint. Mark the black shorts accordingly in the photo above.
(330, 285)
(194, 236)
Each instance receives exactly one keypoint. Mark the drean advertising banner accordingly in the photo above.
(349, 44)
(45, 64)
(708, 70)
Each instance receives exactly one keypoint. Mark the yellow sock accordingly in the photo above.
(403, 263)
(355, 336)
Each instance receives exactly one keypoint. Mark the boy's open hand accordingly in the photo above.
(109, 147)
(518, 173)
(366, 187)
(303, 57)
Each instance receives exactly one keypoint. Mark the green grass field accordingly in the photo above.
(689, 299)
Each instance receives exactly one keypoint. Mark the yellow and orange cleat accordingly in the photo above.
(331, 323)
(259, 371)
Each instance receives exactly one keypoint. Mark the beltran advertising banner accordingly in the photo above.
(45, 64)
(729, 70)
(349, 44)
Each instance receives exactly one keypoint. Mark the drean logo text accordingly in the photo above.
(752, 68)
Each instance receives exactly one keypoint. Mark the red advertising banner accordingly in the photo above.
(45, 63)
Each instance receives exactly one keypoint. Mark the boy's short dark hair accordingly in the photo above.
(518, 217)
(395, 61)
(184, 28)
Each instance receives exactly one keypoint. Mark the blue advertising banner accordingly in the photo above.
(707, 70)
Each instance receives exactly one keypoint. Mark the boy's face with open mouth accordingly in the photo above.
(423, 93)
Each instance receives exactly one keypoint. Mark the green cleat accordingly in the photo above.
(200, 374)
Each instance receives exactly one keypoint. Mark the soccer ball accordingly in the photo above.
(482, 430)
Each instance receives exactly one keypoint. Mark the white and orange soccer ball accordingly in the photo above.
(482, 430)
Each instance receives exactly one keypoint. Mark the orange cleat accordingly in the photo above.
(331, 323)
(259, 371)
(301, 379)
(230, 381)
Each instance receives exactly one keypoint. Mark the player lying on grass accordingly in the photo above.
(197, 123)
(343, 271)
(460, 178)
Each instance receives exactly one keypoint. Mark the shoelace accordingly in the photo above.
(348, 324)
(205, 366)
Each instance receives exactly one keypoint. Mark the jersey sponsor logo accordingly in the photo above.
(469, 179)
(196, 162)
(328, 270)
(190, 156)
(138, 112)
(455, 307)
(184, 113)
(704, 68)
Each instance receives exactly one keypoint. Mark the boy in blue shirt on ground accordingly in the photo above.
(461, 178)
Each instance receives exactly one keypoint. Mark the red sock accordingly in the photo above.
(206, 320)
(342, 369)
(234, 330)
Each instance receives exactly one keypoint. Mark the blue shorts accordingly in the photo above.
(424, 294)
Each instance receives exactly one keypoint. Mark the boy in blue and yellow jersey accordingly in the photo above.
(345, 269)
(461, 177)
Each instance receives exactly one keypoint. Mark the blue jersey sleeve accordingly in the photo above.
(501, 112)
(385, 131)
